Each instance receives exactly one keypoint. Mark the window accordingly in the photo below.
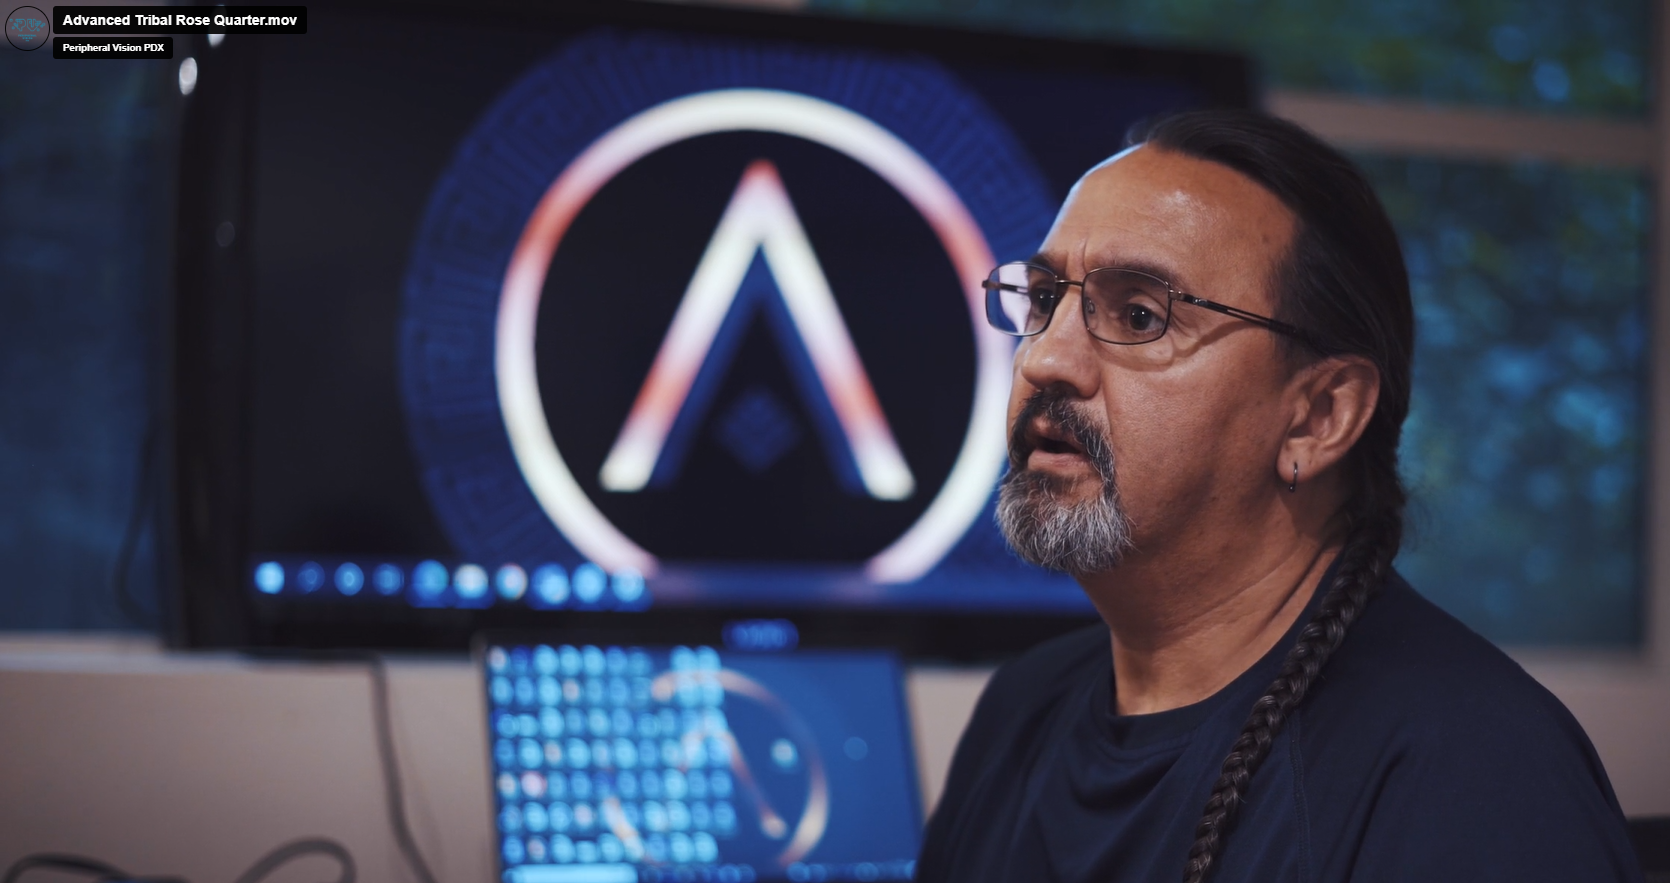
(1523, 449)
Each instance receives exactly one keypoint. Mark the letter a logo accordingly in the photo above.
(759, 240)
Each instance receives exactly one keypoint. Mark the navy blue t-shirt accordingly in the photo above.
(1422, 753)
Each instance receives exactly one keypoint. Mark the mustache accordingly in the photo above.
(1063, 414)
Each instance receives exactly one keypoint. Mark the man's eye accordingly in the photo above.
(1140, 318)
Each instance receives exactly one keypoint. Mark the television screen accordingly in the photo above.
(639, 309)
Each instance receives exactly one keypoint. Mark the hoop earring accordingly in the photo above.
(1293, 486)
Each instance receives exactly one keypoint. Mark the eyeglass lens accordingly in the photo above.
(1119, 306)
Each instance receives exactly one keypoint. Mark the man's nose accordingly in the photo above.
(1063, 354)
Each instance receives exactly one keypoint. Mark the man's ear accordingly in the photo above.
(1332, 402)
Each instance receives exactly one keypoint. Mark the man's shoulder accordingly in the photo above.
(1406, 644)
(1410, 669)
(1449, 757)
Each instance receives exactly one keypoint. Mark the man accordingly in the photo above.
(1208, 394)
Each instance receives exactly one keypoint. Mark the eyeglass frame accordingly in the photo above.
(1172, 296)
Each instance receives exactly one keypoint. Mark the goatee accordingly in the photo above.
(1041, 524)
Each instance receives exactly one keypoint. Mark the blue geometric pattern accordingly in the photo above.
(757, 429)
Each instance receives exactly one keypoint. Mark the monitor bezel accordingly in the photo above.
(211, 373)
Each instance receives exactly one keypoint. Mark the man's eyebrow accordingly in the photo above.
(1140, 265)
(1043, 260)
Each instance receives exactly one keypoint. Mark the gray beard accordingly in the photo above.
(1076, 538)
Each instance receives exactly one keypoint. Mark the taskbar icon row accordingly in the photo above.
(430, 583)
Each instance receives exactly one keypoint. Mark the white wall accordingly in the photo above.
(196, 765)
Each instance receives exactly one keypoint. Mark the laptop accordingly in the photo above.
(643, 764)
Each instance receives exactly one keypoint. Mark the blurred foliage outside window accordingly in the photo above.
(1524, 446)
(1584, 57)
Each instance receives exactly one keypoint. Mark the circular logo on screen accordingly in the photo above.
(27, 28)
(778, 777)
(682, 302)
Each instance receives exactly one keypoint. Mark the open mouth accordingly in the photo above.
(1052, 440)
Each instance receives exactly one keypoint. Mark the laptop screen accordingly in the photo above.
(616, 764)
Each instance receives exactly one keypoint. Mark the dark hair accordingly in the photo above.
(1344, 282)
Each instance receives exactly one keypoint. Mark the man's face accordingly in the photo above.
(1189, 422)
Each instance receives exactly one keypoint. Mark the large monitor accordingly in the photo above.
(558, 312)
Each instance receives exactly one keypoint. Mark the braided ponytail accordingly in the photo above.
(1364, 563)
(1345, 283)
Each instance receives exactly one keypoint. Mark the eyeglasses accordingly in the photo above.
(1120, 306)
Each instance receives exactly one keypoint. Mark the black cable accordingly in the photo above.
(391, 770)
(144, 496)
(106, 873)
(59, 861)
(296, 849)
